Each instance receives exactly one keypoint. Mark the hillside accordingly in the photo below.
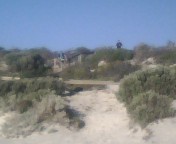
(74, 106)
(106, 122)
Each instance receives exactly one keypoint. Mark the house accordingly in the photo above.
(69, 58)
(76, 56)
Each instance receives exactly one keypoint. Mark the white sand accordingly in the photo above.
(106, 121)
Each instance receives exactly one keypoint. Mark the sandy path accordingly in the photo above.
(106, 123)
(106, 119)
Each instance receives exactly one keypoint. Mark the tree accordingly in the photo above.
(31, 66)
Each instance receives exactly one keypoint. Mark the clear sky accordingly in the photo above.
(64, 24)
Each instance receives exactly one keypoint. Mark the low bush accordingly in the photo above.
(79, 71)
(135, 92)
(162, 80)
(149, 106)
(51, 108)
(23, 91)
(29, 63)
(30, 85)
(109, 55)
(162, 55)
(116, 70)
(111, 71)
(166, 56)
(143, 51)
(23, 105)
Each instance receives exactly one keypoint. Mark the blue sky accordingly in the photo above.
(64, 24)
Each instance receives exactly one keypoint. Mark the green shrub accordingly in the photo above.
(162, 80)
(51, 109)
(35, 96)
(136, 88)
(116, 70)
(24, 124)
(27, 64)
(79, 71)
(149, 106)
(166, 56)
(162, 55)
(30, 85)
(109, 55)
(19, 87)
(5, 87)
(67, 73)
(15, 92)
(143, 51)
(112, 71)
(49, 106)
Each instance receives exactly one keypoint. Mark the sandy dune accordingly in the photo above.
(106, 121)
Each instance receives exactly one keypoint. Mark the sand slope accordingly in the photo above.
(106, 121)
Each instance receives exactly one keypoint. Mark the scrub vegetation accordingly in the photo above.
(148, 94)
(38, 97)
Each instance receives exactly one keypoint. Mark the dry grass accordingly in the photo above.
(51, 109)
